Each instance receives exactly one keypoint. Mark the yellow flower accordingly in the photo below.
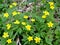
(51, 3)
(14, 13)
(46, 12)
(5, 35)
(8, 26)
(28, 27)
(18, 12)
(11, 6)
(23, 23)
(44, 16)
(37, 40)
(50, 24)
(52, 7)
(17, 22)
(25, 16)
(30, 38)
(6, 15)
(15, 4)
(9, 41)
(33, 20)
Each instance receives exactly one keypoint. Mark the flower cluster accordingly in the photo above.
(8, 25)
(51, 5)
(16, 22)
(32, 28)
(46, 13)
(6, 35)
(37, 39)
(13, 4)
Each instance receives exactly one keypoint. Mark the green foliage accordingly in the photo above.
(47, 29)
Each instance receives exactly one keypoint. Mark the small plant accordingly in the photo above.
(36, 27)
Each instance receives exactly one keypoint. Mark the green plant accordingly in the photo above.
(36, 27)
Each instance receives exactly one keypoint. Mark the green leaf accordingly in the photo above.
(19, 30)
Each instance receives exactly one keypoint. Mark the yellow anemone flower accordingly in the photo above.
(30, 38)
(5, 35)
(9, 41)
(37, 40)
